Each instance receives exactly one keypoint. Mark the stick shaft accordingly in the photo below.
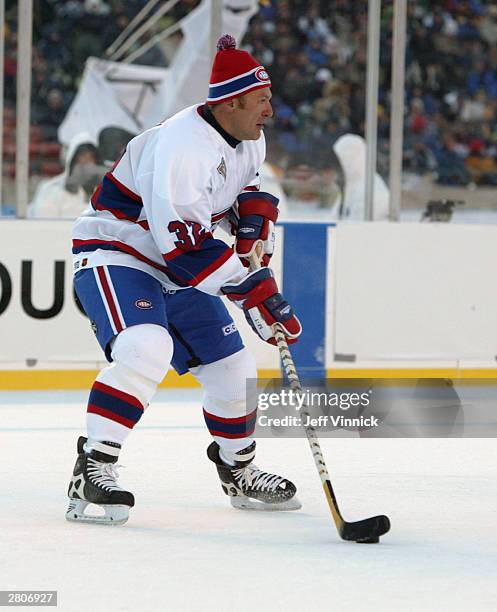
(310, 432)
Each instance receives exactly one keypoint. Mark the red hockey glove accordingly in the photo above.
(258, 212)
(264, 306)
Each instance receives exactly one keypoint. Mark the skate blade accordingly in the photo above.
(245, 503)
(114, 514)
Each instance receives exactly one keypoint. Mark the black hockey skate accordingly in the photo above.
(248, 487)
(94, 481)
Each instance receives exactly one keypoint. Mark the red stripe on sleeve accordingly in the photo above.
(123, 188)
(212, 268)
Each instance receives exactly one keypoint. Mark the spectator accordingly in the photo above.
(482, 167)
(451, 167)
(473, 109)
(481, 77)
(88, 41)
(50, 116)
(67, 195)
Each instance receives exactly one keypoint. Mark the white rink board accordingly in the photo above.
(65, 337)
(411, 292)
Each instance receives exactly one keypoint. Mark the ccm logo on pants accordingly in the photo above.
(229, 329)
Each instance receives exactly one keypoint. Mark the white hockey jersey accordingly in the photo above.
(157, 208)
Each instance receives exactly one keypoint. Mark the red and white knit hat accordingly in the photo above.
(234, 72)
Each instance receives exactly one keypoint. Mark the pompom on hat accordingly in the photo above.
(234, 72)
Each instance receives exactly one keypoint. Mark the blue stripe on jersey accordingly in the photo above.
(88, 247)
(195, 265)
(117, 199)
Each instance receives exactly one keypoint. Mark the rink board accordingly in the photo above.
(382, 300)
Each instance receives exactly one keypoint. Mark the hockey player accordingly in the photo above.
(149, 274)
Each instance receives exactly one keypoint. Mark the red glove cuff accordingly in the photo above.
(261, 292)
(259, 203)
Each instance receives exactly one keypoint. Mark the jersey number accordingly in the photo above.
(189, 234)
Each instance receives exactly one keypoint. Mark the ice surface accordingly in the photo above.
(185, 548)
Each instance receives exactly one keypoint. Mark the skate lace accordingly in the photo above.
(251, 476)
(104, 474)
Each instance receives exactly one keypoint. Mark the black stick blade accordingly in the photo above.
(367, 531)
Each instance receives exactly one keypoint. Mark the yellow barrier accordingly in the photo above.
(39, 380)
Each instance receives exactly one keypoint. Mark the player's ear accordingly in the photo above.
(239, 102)
(231, 105)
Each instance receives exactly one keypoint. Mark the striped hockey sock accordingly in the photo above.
(112, 413)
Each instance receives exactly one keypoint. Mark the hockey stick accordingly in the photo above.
(367, 531)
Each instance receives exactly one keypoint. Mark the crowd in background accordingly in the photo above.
(315, 52)
(65, 34)
(317, 61)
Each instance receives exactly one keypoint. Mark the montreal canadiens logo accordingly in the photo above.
(261, 74)
(143, 304)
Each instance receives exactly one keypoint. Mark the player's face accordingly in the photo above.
(252, 112)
